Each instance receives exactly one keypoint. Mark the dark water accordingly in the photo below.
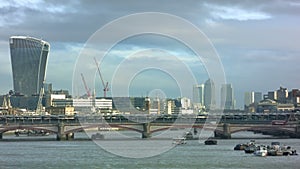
(87, 154)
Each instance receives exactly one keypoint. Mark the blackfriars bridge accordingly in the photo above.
(66, 127)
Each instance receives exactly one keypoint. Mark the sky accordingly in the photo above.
(257, 42)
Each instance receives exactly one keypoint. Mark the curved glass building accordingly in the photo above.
(29, 61)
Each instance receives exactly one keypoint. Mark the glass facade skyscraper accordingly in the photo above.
(209, 94)
(227, 97)
(29, 60)
(198, 94)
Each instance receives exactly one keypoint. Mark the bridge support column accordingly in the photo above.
(1, 136)
(146, 130)
(226, 131)
(61, 132)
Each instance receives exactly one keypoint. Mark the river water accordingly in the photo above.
(81, 153)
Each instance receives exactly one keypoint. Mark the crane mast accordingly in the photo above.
(85, 86)
(105, 85)
(39, 106)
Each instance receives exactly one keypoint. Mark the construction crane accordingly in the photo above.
(85, 86)
(105, 85)
(39, 107)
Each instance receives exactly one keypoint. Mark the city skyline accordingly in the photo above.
(256, 41)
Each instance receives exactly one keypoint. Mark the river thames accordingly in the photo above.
(78, 154)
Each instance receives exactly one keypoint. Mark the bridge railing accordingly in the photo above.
(227, 118)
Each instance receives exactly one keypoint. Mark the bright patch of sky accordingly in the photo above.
(236, 13)
(14, 12)
(170, 55)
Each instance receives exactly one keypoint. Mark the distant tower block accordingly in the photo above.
(29, 61)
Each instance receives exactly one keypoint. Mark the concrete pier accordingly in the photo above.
(226, 131)
(146, 131)
(61, 132)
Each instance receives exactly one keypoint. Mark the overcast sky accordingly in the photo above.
(257, 41)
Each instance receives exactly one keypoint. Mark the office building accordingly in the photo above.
(252, 97)
(227, 97)
(248, 98)
(209, 94)
(282, 95)
(29, 61)
(272, 95)
(257, 97)
(198, 94)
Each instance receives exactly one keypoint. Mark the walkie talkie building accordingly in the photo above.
(29, 61)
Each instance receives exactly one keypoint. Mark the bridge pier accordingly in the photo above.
(1, 136)
(146, 130)
(61, 132)
(226, 134)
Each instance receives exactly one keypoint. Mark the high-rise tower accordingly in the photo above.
(198, 94)
(209, 94)
(227, 96)
(29, 60)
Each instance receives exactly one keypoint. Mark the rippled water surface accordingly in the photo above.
(87, 154)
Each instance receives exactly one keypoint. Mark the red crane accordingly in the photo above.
(85, 86)
(105, 85)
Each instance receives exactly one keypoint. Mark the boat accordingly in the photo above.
(97, 136)
(210, 142)
(261, 151)
(274, 152)
(240, 147)
(288, 150)
(274, 143)
(274, 149)
(179, 141)
(250, 149)
(243, 146)
(188, 135)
